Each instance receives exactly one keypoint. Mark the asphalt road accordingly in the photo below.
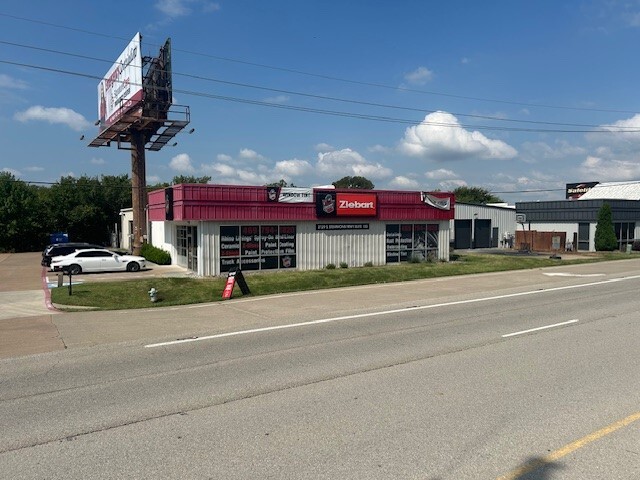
(514, 375)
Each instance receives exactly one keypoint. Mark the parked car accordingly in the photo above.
(97, 260)
(59, 249)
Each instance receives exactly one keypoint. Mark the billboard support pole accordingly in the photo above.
(139, 189)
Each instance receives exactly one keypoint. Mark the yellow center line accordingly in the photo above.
(569, 448)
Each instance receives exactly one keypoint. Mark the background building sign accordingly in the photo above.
(332, 204)
(576, 190)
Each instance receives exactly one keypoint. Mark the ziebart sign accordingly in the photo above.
(336, 204)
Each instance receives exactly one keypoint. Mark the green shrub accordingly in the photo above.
(330, 266)
(368, 264)
(636, 246)
(155, 254)
(344, 265)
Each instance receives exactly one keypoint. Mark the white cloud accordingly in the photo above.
(8, 82)
(34, 169)
(222, 157)
(15, 173)
(219, 170)
(404, 183)
(449, 185)
(379, 149)
(610, 170)
(181, 163)
(97, 161)
(420, 76)
(277, 99)
(323, 148)
(534, 152)
(64, 116)
(248, 154)
(440, 137)
(440, 174)
(622, 130)
(173, 8)
(345, 162)
(293, 168)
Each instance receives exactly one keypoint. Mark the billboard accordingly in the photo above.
(121, 88)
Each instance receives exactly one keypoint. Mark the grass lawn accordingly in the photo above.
(183, 291)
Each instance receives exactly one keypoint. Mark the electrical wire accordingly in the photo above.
(319, 97)
(360, 116)
(328, 77)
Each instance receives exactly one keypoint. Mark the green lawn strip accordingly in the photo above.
(187, 290)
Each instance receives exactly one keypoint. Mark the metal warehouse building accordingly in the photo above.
(483, 226)
(578, 218)
(211, 229)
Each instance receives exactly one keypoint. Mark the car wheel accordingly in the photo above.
(75, 269)
(133, 267)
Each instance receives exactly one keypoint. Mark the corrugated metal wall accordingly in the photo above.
(314, 249)
(502, 218)
(318, 249)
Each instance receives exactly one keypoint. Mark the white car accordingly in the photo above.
(96, 260)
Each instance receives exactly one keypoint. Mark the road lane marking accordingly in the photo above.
(386, 312)
(570, 448)
(559, 274)
(522, 332)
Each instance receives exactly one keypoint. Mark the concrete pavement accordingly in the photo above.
(28, 327)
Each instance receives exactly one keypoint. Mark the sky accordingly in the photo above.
(516, 97)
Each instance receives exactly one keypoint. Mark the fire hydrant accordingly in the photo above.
(153, 295)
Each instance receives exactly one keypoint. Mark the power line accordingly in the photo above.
(330, 77)
(360, 116)
(320, 97)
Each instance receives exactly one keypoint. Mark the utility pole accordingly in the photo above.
(139, 189)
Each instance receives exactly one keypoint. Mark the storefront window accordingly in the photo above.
(625, 231)
(257, 247)
(405, 242)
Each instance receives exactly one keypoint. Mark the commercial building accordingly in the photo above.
(577, 218)
(211, 229)
(483, 226)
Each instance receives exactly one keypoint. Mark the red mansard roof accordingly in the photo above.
(249, 203)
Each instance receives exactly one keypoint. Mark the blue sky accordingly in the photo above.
(518, 97)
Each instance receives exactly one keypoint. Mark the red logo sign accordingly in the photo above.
(356, 204)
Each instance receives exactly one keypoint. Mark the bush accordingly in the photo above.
(636, 246)
(368, 264)
(330, 266)
(155, 254)
(344, 265)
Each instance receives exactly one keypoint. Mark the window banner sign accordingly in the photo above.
(342, 204)
(436, 202)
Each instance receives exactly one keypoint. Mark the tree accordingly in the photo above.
(281, 183)
(605, 237)
(189, 179)
(475, 195)
(22, 228)
(354, 182)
